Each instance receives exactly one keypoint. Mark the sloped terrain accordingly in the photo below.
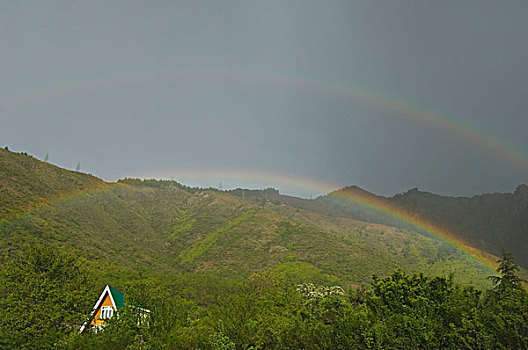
(153, 227)
(492, 222)
(26, 182)
(489, 222)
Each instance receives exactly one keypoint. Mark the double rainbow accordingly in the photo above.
(400, 108)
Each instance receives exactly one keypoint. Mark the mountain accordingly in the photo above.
(155, 227)
(492, 222)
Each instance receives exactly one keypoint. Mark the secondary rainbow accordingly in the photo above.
(400, 107)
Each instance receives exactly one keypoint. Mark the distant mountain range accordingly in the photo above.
(153, 227)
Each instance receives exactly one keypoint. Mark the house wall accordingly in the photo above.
(97, 318)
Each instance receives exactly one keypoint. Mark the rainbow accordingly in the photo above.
(401, 108)
(279, 180)
(378, 204)
(421, 225)
(55, 200)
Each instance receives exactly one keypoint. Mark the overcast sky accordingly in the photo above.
(317, 90)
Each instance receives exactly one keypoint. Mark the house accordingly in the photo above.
(110, 301)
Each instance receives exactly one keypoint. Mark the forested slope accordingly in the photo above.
(233, 269)
(150, 227)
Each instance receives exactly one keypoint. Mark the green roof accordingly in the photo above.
(119, 298)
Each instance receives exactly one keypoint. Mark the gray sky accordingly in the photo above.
(325, 91)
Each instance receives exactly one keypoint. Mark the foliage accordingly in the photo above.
(26, 183)
(506, 307)
(149, 226)
(188, 256)
(264, 311)
(508, 280)
(221, 270)
(184, 226)
(44, 294)
(219, 340)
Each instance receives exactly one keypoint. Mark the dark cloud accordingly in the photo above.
(132, 88)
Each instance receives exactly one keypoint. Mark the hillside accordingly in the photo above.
(153, 227)
(490, 222)
(26, 183)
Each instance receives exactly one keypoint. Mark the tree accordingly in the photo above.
(44, 295)
(508, 279)
(505, 310)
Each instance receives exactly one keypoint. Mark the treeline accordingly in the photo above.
(46, 294)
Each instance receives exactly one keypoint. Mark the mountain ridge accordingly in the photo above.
(476, 219)
(39, 183)
(152, 227)
(493, 222)
(506, 213)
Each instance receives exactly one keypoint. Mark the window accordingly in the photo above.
(107, 312)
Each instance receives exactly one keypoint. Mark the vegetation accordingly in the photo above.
(188, 256)
(265, 311)
(44, 295)
(145, 227)
(232, 270)
(26, 183)
(489, 222)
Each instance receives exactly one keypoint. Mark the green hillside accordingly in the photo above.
(488, 222)
(26, 183)
(232, 270)
(150, 227)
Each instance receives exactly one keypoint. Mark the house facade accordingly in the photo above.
(110, 301)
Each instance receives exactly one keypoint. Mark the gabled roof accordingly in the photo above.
(117, 298)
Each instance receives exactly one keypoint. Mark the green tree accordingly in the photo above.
(45, 294)
(416, 311)
(505, 308)
(508, 279)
